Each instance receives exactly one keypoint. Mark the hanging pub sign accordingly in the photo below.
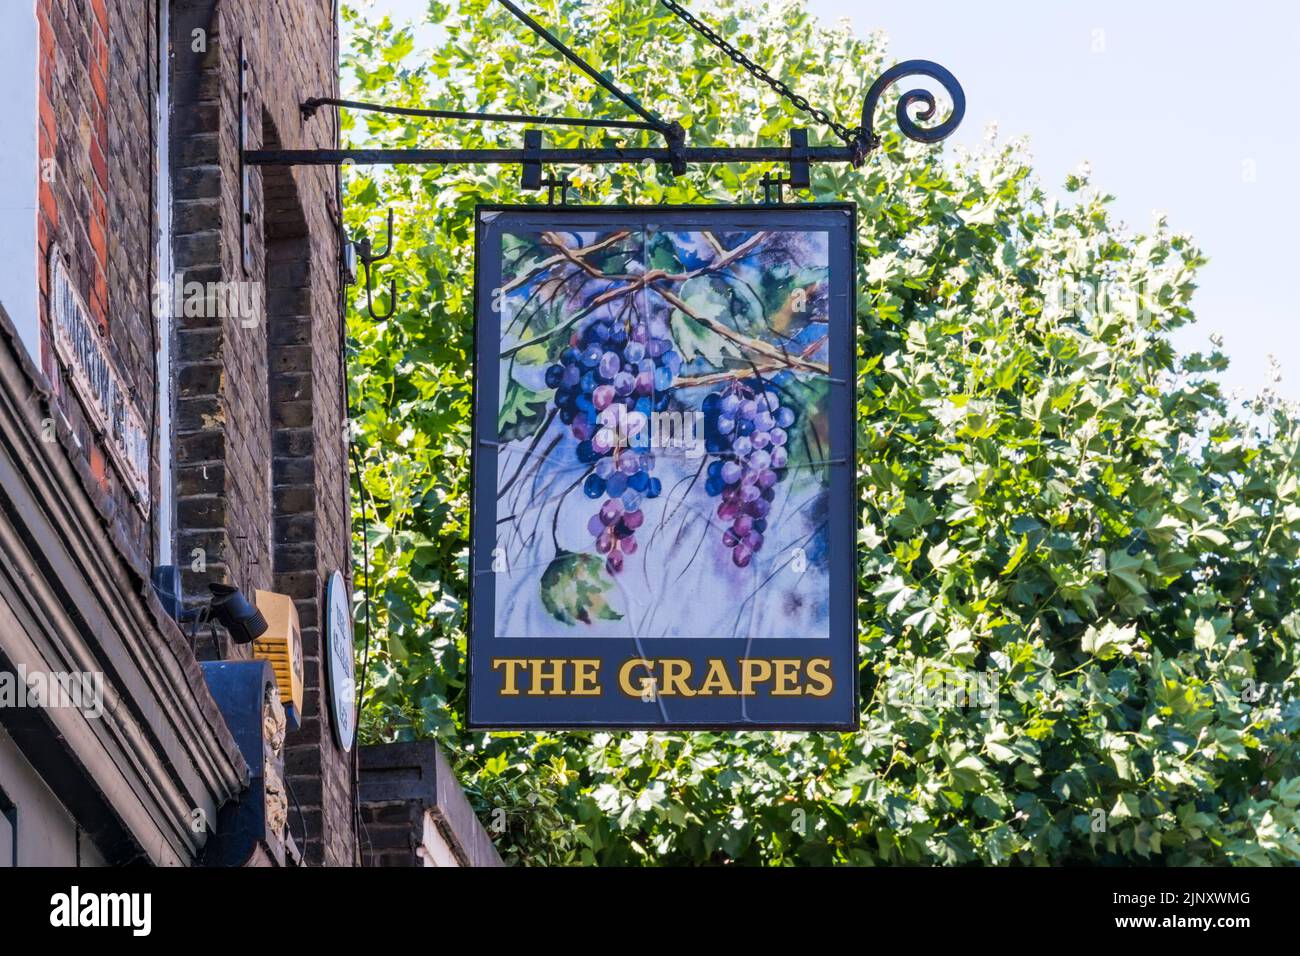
(110, 405)
(663, 515)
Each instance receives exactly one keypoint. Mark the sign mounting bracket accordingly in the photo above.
(858, 142)
(798, 156)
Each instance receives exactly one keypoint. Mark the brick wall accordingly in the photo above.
(261, 488)
(414, 812)
(392, 833)
(96, 144)
(262, 478)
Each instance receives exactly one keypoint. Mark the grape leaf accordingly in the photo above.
(694, 340)
(521, 414)
(573, 589)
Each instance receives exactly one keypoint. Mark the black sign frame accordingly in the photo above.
(613, 708)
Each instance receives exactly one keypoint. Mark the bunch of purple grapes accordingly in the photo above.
(607, 383)
(746, 429)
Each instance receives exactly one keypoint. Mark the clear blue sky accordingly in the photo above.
(1185, 106)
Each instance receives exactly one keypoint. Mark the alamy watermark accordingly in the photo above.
(75, 908)
(1088, 297)
(236, 299)
(79, 690)
(941, 689)
(669, 429)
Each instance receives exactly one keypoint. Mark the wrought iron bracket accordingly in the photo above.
(675, 155)
(368, 258)
(798, 157)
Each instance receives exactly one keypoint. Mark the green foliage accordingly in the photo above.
(1057, 509)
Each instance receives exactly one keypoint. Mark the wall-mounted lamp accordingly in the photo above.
(235, 613)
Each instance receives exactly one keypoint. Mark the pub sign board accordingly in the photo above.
(663, 519)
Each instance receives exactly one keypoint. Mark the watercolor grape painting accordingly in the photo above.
(663, 446)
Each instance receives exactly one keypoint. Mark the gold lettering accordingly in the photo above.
(819, 673)
(787, 678)
(717, 682)
(625, 676)
(753, 670)
(543, 670)
(512, 666)
(585, 674)
(676, 673)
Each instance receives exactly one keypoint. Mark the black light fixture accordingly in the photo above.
(235, 613)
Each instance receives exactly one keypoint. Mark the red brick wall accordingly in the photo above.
(96, 142)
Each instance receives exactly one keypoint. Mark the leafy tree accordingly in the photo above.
(1079, 608)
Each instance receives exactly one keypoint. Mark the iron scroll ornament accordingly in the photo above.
(862, 140)
(909, 127)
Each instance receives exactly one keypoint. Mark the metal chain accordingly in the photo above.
(850, 136)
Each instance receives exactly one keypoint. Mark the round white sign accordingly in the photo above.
(342, 661)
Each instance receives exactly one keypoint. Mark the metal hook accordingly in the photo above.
(770, 182)
(799, 177)
(367, 260)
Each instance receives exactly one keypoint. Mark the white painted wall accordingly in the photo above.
(434, 848)
(19, 45)
(46, 834)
